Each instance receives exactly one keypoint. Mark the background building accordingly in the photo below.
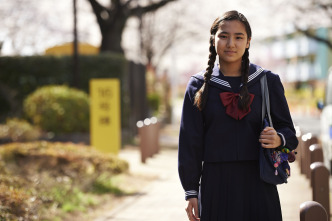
(296, 57)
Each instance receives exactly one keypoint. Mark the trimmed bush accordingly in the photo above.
(58, 109)
(19, 130)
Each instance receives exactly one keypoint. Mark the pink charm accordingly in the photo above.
(276, 165)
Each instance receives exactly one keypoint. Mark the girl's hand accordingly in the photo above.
(192, 205)
(269, 138)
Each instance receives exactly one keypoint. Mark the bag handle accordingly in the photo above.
(265, 100)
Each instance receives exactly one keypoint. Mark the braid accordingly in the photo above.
(201, 95)
(244, 94)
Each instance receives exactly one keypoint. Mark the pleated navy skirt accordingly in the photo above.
(233, 191)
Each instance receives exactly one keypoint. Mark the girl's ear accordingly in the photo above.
(212, 40)
(248, 43)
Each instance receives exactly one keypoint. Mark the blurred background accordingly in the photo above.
(169, 41)
(49, 50)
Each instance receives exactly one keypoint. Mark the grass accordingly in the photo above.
(106, 184)
(46, 181)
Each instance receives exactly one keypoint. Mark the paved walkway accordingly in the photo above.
(163, 198)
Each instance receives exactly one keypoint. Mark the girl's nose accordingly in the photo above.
(230, 42)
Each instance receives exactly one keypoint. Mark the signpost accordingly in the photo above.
(105, 123)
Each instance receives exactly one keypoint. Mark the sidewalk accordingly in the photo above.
(163, 198)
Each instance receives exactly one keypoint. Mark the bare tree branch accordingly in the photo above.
(98, 9)
(312, 35)
(126, 4)
(153, 7)
(325, 6)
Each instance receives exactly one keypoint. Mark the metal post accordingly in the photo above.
(155, 135)
(143, 140)
(320, 185)
(304, 152)
(299, 149)
(308, 140)
(312, 211)
(75, 48)
(316, 153)
(301, 156)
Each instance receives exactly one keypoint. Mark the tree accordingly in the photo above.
(157, 36)
(317, 13)
(15, 15)
(29, 27)
(112, 19)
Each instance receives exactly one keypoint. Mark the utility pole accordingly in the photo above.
(75, 49)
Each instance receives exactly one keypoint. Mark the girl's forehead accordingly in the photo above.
(232, 25)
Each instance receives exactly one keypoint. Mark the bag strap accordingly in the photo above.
(265, 100)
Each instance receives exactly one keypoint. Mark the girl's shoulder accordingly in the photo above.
(198, 77)
(257, 71)
(195, 82)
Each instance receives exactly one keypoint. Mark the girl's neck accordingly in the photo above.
(232, 70)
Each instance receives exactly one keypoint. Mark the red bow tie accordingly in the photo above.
(230, 101)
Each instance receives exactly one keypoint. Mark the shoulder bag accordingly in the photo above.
(273, 163)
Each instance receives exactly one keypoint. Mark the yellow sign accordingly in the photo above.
(105, 123)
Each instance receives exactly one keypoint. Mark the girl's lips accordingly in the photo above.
(230, 53)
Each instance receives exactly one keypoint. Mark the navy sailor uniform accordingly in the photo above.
(211, 137)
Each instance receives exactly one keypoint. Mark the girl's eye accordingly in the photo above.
(239, 38)
(223, 36)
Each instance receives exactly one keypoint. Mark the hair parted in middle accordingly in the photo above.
(202, 93)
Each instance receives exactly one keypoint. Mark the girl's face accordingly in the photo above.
(230, 42)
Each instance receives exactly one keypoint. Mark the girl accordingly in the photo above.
(221, 131)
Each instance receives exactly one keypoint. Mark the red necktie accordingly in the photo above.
(230, 101)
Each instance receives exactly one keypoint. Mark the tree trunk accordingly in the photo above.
(112, 36)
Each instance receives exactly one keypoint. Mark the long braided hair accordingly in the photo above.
(202, 93)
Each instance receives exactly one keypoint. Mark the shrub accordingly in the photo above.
(18, 130)
(58, 109)
(154, 102)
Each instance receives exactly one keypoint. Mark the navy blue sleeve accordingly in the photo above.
(280, 114)
(191, 141)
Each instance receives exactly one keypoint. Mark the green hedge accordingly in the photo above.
(20, 76)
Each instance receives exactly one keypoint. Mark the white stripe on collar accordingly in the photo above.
(217, 80)
(225, 83)
(254, 75)
(221, 82)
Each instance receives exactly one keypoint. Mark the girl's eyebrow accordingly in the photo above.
(224, 32)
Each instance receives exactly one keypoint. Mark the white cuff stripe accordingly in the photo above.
(283, 139)
(191, 193)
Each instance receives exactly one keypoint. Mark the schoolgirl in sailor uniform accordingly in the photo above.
(221, 131)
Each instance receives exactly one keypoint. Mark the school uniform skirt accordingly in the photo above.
(233, 191)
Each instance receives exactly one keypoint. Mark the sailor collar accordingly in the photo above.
(218, 80)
